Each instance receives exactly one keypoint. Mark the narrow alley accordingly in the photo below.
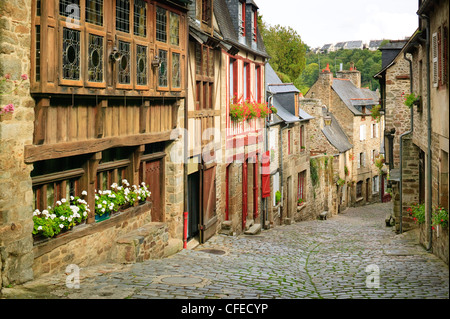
(309, 260)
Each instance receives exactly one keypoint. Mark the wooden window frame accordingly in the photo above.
(204, 78)
(359, 189)
(134, 62)
(301, 186)
(241, 18)
(254, 25)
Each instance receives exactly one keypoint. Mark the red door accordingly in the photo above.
(255, 188)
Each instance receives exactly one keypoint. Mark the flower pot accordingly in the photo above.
(102, 218)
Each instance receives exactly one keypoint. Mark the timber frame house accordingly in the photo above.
(108, 78)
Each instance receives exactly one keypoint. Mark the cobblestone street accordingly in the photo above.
(315, 259)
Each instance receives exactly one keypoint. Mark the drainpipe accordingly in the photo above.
(266, 147)
(401, 141)
(428, 168)
(186, 146)
(281, 164)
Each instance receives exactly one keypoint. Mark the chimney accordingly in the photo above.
(353, 75)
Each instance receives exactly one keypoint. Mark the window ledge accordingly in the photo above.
(359, 199)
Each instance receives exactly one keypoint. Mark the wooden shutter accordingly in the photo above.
(265, 171)
(435, 62)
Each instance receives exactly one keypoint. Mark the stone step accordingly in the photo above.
(253, 230)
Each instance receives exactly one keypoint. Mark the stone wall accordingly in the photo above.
(397, 114)
(440, 241)
(16, 131)
(127, 237)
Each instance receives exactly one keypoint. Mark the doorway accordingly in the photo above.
(193, 205)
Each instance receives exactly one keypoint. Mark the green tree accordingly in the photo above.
(286, 49)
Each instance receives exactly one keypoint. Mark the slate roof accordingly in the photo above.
(271, 75)
(353, 96)
(229, 30)
(354, 45)
(335, 134)
(339, 45)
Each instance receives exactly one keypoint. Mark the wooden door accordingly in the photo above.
(255, 189)
(153, 178)
(209, 214)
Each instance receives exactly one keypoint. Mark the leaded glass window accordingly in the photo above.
(210, 63)
(198, 58)
(176, 74)
(162, 76)
(123, 15)
(94, 12)
(95, 65)
(174, 29)
(140, 18)
(38, 8)
(124, 63)
(161, 24)
(71, 54)
(141, 67)
(70, 8)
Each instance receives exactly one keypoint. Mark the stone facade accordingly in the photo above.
(16, 131)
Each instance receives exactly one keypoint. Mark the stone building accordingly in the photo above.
(103, 102)
(351, 105)
(395, 84)
(425, 154)
(287, 143)
(242, 79)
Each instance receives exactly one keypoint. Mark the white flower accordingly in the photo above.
(39, 228)
(103, 210)
(45, 212)
(61, 226)
(96, 197)
(85, 213)
(72, 198)
(70, 218)
(99, 205)
(53, 216)
(84, 193)
(139, 197)
(63, 200)
(99, 191)
(58, 203)
(104, 202)
(87, 210)
(62, 217)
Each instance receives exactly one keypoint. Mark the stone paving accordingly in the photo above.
(308, 260)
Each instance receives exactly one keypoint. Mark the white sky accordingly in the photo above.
(319, 22)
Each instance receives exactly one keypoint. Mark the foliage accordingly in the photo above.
(340, 182)
(367, 62)
(346, 170)
(273, 109)
(286, 49)
(411, 99)
(376, 114)
(314, 172)
(417, 211)
(300, 201)
(379, 162)
(245, 110)
(66, 214)
(440, 217)
(277, 197)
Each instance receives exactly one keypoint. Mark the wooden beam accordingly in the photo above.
(40, 123)
(34, 153)
(87, 183)
(100, 110)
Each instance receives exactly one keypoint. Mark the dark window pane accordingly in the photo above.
(174, 29)
(163, 69)
(124, 63)
(70, 8)
(71, 54)
(141, 64)
(38, 53)
(176, 75)
(161, 24)
(94, 11)
(140, 18)
(123, 15)
(95, 68)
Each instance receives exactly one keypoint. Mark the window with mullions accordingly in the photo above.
(174, 28)
(140, 18)
(162, 76)
(70, 8)
(113, 167)
(141, 67)
(95, 65)
(176, 71)
(123, 15)
(71, 54)
(124, 73)
(206, 11)
(161, 24)
(94, 12)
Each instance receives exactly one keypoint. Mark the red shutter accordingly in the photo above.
(265, 171)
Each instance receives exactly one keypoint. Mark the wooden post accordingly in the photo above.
(135, 164)
(100, 110)
(143, 112)
(87, 183)
(40, 122)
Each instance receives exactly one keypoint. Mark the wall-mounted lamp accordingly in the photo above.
(115, 55)
(156, 62)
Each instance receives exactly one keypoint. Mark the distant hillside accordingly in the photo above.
(366, 61)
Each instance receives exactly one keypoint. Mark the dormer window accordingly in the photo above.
(241, 19)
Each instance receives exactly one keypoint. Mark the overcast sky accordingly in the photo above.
(319, 22)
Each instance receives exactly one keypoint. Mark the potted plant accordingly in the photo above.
(277, 197)
(300, 201)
